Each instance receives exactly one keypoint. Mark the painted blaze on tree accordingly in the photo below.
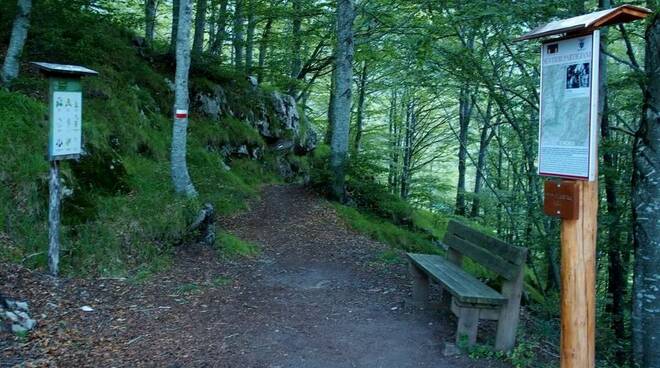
(180, 176)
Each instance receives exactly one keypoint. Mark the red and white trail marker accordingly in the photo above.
(181, 114)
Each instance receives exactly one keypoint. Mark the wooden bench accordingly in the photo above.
(473, 300)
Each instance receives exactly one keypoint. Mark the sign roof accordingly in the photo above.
(50, 68)
(622, 14)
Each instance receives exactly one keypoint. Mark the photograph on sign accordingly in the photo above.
(66, 129)
(569, 97)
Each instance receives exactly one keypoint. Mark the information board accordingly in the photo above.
(569, 105)
(65, 120)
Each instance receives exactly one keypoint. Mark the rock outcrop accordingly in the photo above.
(273, 115)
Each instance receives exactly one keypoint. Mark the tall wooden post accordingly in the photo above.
(54, 218)
(578, 281)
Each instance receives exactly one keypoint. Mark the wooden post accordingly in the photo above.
(54, 218)
(578, 281)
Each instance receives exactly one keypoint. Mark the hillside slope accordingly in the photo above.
(119, 210)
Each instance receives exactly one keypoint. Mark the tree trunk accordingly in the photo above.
(410, 130)
(238, 34)
(249, 45)
(393, 150)
(296, 44)
(360, 108)
(180, 175)
(200, 29)
(263, 48)
(219, 39)
(342, 102)
(19, 33)
(616, 284)
(465, 110)
(331, 104)
(175, 25)
(486, 137)
(150, 21)
(646, 212)
(212, 23)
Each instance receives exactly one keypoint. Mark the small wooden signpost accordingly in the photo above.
(64, 139)
(568, 149)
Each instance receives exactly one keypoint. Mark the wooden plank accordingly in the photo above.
(489, 312)
(463, 286)
(513, 254)
(489, 260)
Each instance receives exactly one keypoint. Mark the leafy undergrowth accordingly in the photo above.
(385, 231)
(119, 212)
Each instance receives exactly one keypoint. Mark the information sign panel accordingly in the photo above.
(569, 105)
(65, 137)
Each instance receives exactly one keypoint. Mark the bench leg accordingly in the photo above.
(468, 323)
(420, 292)
(507, 323)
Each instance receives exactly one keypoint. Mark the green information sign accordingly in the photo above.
(65, 138)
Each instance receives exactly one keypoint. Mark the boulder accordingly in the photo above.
(286, 111)
(213, 104)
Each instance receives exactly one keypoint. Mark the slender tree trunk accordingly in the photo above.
(646, 212)
(296, 43)
(180, 175)
(200, 29)
(212, 24)
(150, 21)
(360, 108)
(19, 33)
(616, 285)
(175, 25)
(249, 44)
(393, 150)
(486, 136)
(263, 48)
(219, 39)
(342, 102)
(238, 34)
(410, 127)
(331, 104)
(465, 110)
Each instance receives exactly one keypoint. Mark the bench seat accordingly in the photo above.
(465, 288)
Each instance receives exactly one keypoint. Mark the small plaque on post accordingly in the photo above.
(561, 199)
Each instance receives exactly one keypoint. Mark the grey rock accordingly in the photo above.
(213, 104)
(450, 350)
(11, 316)
(286, 110)
(253, 80)
(18, 329)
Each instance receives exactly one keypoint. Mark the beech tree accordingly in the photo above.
(200, 29)
(180, 176)
(341, 107)
(19, 34)
(646, 212)
(150, 21)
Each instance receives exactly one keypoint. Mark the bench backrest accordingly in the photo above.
(504, 259)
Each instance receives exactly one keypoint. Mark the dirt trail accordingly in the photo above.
(315, 297)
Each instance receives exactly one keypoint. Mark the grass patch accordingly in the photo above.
(385, 232)
(233, 247)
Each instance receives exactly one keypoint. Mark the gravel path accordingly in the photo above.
(315, 297)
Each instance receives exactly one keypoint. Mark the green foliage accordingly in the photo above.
(231, 246)
(385, 232)
(120, 214)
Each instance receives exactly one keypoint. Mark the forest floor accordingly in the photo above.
(316, 295)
